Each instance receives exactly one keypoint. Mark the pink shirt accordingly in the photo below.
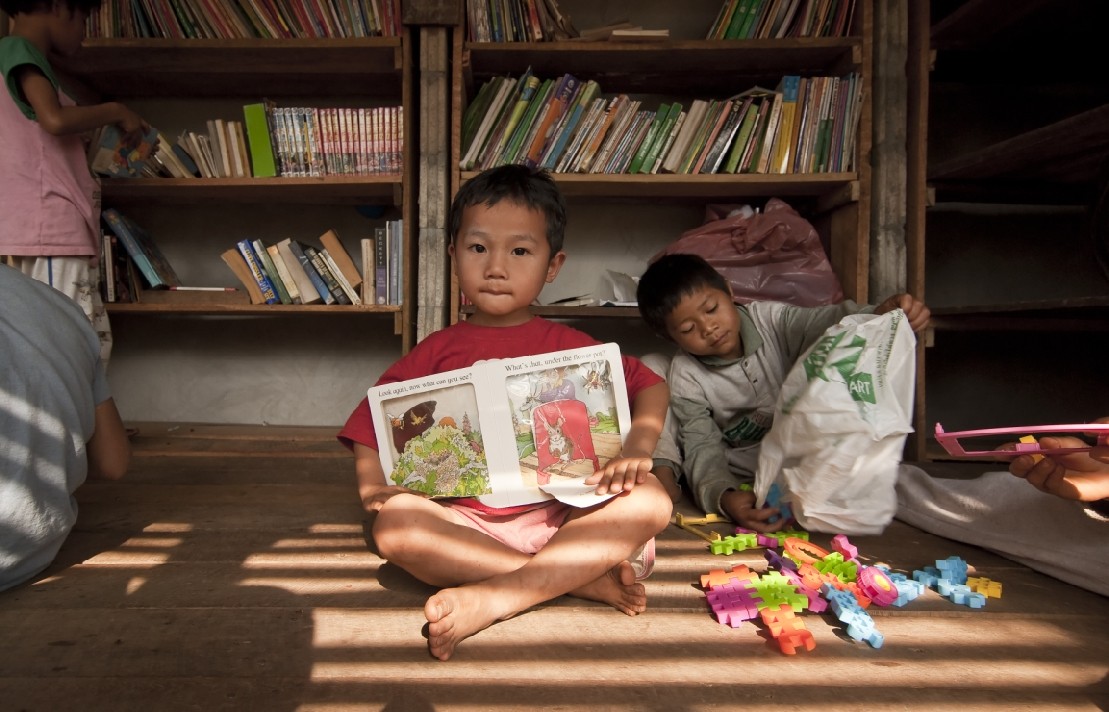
(49, 199)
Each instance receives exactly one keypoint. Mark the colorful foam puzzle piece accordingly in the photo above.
(985, 586)
(907, 589)
(835, 565)
(776, 560)
(730, 544)
(789, 630)
(876, 585)
(841, 545)
(803, 551)
(817, 603)
(859, 624)
(953, 569)
(733, 603)
(709, 518)
(719, 577)
(926, 577)
(774, 500)
(776, 589)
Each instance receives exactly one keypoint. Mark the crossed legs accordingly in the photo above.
(485, 581)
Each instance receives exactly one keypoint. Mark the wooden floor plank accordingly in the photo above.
(231, 578)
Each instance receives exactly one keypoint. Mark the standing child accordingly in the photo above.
(50, 215)
(725, 380)
(506, 230)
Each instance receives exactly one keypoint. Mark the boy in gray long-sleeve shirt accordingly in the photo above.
(725, 380)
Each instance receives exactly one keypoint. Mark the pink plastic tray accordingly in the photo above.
(950, 441)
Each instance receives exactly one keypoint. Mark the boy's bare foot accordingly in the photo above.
(455, 614)
(618, 588)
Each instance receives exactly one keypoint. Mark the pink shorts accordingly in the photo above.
(526, 532)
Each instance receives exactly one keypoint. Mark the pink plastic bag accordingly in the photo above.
(774, 255)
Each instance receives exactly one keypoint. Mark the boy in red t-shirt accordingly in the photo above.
(506, 230)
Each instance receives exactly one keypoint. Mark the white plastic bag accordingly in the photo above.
(840, 426)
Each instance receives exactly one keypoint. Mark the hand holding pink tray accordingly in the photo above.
(1053, 461)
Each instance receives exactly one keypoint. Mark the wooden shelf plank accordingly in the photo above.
(1068, 151)
(1065, 314)
(977, 21)
(674, 186)
(200, 309)
(213, 68)
(679, 66)
(1090, 303)
(322, 190)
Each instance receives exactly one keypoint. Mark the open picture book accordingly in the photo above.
(506, 431)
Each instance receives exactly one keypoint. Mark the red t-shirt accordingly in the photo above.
(464, 344)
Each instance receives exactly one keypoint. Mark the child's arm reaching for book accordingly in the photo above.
(372, 486)
(633, 464)
(59, 120)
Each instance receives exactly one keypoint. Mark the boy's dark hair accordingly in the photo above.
(26, 7)
(521, 185)
(667, 280)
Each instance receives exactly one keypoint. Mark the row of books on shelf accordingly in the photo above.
(541, 21)
(517, 21)
(287, 272)
(777, 19)
(805, 125)
(248, 19)
(269, 141)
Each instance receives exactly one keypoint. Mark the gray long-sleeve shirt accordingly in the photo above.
(723, 408)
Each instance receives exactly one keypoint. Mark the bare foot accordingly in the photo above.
(618, 588)
(455, 614)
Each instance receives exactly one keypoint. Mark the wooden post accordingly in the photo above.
(918, 68)
(436, 19)
(887, 237)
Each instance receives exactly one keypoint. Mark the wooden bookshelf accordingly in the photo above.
(682, 68)
(180, 83)
(248, 69)
(1020, 123)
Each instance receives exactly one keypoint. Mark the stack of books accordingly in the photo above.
(296, 272)
(805, 125)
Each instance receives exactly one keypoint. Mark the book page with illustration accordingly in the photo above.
(507, 431)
